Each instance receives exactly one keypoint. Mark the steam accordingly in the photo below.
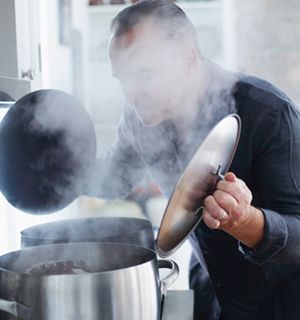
(174, 98)
(113, 229)
(68, 149)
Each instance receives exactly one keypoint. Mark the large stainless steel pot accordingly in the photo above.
(101, 229)
(124, 283)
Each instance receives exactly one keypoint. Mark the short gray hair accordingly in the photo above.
(174, 21)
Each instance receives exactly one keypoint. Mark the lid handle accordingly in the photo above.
(220, 176)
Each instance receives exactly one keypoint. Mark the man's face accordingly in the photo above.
(151, 70)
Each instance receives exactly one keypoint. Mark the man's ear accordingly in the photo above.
(192, 58)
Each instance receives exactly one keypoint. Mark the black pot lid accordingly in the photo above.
(47, 147)
(211, 160)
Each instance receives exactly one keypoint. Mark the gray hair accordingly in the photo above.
(171, 18)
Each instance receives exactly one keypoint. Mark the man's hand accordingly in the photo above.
(230, 209)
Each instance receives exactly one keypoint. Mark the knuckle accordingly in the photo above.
(241, 183)
(236, 214)
(223, 200)
(216, 213)
(221, 197)
(236, 207)
(207, 200)
(250, 196)
(219, 213)
(221, 185)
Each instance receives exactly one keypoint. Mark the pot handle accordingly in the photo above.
(155, 231)
(169, 278)
(15, 308)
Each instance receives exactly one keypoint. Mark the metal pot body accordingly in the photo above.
(123, 285)
(117, 230)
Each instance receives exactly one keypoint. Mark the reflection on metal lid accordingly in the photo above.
(211, 160)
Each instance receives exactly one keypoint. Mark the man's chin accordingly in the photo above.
(149, 121)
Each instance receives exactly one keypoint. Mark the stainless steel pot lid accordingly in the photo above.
(212, 159)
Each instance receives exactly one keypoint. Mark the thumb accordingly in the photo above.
(230, 177)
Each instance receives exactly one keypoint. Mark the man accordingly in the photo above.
(251, 230)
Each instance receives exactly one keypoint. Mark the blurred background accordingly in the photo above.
(62, 44)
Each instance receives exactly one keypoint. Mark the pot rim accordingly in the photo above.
(152, 257)
(35, 232)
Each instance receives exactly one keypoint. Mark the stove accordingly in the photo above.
(178, 305)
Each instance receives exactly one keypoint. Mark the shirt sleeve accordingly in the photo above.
(275, 238)
(120, 169)
(277, 181)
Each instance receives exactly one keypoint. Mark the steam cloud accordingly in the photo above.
(198, 102)
(59, 149)
(160, 90)
(164, 104)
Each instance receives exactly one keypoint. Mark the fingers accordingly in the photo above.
(210, 221)
(228, 205)
(213, 213)
(235, 187)
(230, 177)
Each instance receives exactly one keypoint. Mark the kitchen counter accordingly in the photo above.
(16, 88)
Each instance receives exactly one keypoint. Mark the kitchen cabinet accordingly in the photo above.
(19, 37)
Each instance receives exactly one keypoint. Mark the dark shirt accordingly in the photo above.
(262, 283)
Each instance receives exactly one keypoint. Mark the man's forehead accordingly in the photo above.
(142, 34)
(145, 45)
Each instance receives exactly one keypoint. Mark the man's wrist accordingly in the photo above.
(251, 231)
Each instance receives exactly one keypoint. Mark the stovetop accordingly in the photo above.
(178, 305)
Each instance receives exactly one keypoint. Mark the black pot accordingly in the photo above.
(133, 231)
(47, 147)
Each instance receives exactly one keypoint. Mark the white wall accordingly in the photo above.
(56, 58)
(267, 41)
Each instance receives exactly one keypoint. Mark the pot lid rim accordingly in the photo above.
(237, 132)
